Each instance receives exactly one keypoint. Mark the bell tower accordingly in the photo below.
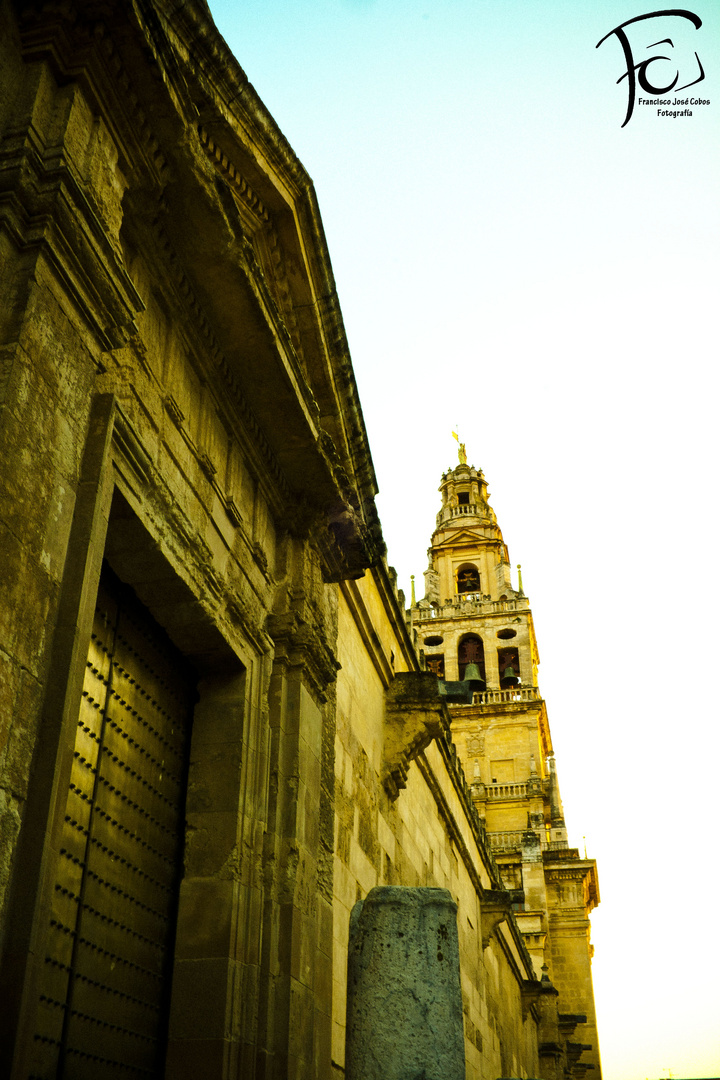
(476, 631)
(468, 581)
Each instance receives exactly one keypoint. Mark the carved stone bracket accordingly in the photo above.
(415, 714)
(233, 511)
(495, 907)
(207, 465)
(569, 1021)
(530, 992)
(346, 547)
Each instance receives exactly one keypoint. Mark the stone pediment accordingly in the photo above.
(468, 536)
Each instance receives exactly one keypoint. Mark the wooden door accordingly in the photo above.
(105, 982)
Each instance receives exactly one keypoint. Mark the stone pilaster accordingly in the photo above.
(295, 1009)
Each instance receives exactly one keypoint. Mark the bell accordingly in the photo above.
(509, 675)
(472, 675)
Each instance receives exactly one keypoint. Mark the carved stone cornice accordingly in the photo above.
(241, 187)
(204, 344)
(76, 39)
(345, 539)
(264, 248)
(49, 212)
(104, 49)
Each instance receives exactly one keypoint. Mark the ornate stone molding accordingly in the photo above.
(239, 183)
(303, 646)
(130, 456)
(575, 882)
(77, 41)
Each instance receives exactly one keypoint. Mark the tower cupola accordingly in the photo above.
(467, 553)
(464, 494)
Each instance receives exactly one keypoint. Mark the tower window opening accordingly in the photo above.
(507, 633)
(471, 652)
(436, 664)
(463, 498)
(509, 668)
(468, 579)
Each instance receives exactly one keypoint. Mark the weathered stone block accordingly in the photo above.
(211, 845)
(404, 1010)
(200, 992)
(200, 936)
(214, 779)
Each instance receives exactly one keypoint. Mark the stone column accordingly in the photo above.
(404, 1011)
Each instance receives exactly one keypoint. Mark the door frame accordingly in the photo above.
(229, 725)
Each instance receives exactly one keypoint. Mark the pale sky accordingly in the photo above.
(512, 260)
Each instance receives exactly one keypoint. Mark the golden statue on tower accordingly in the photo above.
(462, 455)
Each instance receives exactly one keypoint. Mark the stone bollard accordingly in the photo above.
(404, 1007)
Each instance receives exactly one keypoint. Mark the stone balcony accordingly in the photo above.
(468, 604)
(506, 697)
(477, 510)
(526, 790)
(460, 695)
(506, 791)
(512, 841)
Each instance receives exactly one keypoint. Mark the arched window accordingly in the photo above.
(470, 651)
(508, 668)
(468, 579)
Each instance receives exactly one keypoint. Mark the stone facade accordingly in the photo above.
(216, 730)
